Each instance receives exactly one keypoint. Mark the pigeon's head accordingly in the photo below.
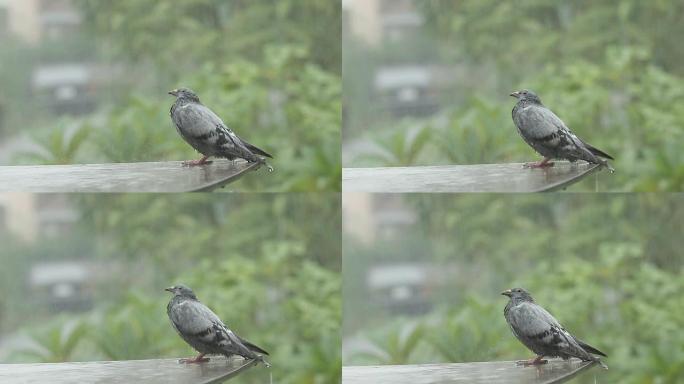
(181, 290)
(526, 95)
(517, 294)
(185, 93)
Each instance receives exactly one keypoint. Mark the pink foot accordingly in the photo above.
(202, 161)
(542, 164)
(199, 359)
(539, 360)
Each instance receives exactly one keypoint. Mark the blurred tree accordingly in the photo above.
(16, 64)
(271, 71)
(57, 343)
(177, 36)
(527, 35)
(61, 147)
(610, 70)
(268, 265)
(607, 266)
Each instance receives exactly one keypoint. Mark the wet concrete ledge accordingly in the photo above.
(168, 176)
(163, 371)
(496, 372)
(511, 177)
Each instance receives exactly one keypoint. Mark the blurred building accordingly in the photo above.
(18, 216)
(408, 90)
(37, 20)
(412, 87)
(65, 88)
(368, 217)
(32, 216)
(63, 285)
(60, 86)
(381, 21)
(402, 288)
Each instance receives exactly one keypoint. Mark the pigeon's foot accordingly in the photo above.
(541, 164)
(539, 360)
(198, 359)
(192, 163)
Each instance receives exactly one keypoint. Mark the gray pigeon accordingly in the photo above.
(541, 332)
(200, 127)
(549, 136)
(204, 331)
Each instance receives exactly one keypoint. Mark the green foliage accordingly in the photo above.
(476, 341)
(137, 132)
(401, 148)
(133, 329)
(524, 35)
(61, 146)
(606, 266)
(57, 343)
(268, 265)
(272, 72)
(396, 345)
(475, 128)
(603, 68)
(298, 304)
(285, 105)
(177, 35)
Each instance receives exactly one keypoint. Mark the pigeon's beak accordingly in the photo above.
(514, 94)
(507, 293)
(169, 289)
(174, 92)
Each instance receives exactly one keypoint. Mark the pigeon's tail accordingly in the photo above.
(256, 150)
(255, 348)
(590, 349)
(598, 152)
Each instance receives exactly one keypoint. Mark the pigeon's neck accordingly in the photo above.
(187, 100)
(520, 300)
(527, 102)
(179, 299)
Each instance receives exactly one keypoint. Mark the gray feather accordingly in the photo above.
(539, 331)
(547, 134)
(200, 127)
(203, 330)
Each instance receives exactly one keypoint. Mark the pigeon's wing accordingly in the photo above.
(539, 330)
(195, 320)
(205, 131)
(228, 141)
(535, 124)
(539, 126)
(192, 318)
(233, 344)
